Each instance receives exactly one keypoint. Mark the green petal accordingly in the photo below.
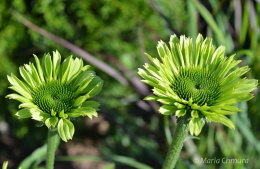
(179, 105)
(56, 64)
(18, 98)
(24, 113)
(181, 112)
(52, 121)
(83, 111)
(231, 108)
(19, 86)
(27, 77)
(224, 112)
(39, 68)
(47, 67)
(94, 87)
(33, 73)
(234, 75)
(91, 103)
(28, 105)
(39, 115)
(79, 101)
(76, 66)
(219, 118)
(167, 110)
(151, 98)
(82, 81)
(65, 69)
(65, 129)
(195, 126)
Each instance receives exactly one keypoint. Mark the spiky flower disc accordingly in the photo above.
(196, 82)
(53, 93)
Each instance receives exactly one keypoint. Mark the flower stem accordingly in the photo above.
(176, 145)
(51, 147)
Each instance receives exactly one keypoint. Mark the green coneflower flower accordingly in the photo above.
(53, 93)
(196, 83)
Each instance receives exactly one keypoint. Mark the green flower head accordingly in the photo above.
(197, 83)
(53, 93)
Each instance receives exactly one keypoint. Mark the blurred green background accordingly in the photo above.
(129, 132)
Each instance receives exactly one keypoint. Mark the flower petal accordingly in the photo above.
(24, 113)
(65, 129)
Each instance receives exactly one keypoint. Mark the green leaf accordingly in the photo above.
(65, 129)
(167, 110)
(52, 121)
(23, 114)
(210, 20)
(110, 166)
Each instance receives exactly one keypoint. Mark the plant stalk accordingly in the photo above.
(176, 145)
(51, 147)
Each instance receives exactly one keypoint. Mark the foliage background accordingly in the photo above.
(118, 32)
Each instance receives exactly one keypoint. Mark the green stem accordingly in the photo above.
(51, 147)
(176, 145)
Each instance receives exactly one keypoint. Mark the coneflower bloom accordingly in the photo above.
(53, 93)
(196, 82)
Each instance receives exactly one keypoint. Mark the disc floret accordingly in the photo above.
(53, 92)
(196, 82)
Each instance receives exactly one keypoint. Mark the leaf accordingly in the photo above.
(110, 166)
(23, 114)
(65, 129)
(210, 20)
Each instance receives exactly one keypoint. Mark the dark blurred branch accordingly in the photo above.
(85, 55)
(168, 21)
